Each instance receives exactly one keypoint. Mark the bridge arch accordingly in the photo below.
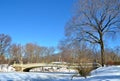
(43, 68)
(29, 68)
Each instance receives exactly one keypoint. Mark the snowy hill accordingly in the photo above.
(111, 73)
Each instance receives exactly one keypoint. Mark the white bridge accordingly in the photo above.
(28, 67)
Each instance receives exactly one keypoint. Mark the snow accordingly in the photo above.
(53, 69)
(6, 68)
(111, 73)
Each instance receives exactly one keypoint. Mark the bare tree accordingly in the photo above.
(35, 53)
(93, 21)
(75, 52)
(112, 55)
(49, 52)
(66, 51)
(30, 52)
(16, 52)
(5, 41)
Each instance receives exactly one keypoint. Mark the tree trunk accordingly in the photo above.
(102, 50)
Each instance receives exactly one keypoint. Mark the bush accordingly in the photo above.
(116, 63)
(112, 63)
(109, 63)
(83, 71)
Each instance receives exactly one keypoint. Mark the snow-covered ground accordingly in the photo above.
(111, 73)
(6, 68)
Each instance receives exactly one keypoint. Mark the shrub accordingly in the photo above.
(83, 71)
(112, 63)
(109, 63)
(116, 63)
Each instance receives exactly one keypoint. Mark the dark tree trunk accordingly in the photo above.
(102, 50)
(102, 55)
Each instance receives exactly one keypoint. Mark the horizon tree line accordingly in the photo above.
(92, 25)
(71, 53)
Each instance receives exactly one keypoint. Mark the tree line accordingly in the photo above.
(84, 53)
(68, 52)
(93, 24)
(28, 53)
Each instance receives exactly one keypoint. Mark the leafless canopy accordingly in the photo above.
(93, 20)
(5, 41)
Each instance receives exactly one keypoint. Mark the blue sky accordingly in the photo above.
(36, 21)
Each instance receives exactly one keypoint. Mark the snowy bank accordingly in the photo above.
(111, 73)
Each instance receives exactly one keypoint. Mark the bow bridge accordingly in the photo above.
(28, 67)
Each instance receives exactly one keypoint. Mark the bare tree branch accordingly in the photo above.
(93, 19)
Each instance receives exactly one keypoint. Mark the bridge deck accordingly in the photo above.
(22, 67)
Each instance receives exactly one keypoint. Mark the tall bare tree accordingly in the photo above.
(93, 21)
(5, 41)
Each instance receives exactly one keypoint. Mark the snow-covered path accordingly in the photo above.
(111, 73)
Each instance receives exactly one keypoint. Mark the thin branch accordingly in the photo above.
(87, 17)
(95, 37)
(109, 21)
(93, 42)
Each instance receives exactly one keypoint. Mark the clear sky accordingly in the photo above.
(36, 21)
